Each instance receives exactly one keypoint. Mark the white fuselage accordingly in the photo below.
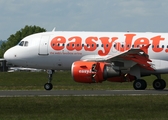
(58, 50)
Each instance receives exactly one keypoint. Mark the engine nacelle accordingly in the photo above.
(91, 72)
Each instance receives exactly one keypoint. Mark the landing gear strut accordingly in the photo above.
(49, 86)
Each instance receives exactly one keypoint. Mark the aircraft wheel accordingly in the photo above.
(140, 84)
(164, 84)
(159, 84)
(48, 86)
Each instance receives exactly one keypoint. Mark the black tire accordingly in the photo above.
(164, 84)
(48, 86)
(140, 84)
(159, 84)
(144, 85)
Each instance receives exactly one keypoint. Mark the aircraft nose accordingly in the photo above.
(12, 56)
(8, 55)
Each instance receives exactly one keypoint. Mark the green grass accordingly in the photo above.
(61, 81)
(147, 107)
(85, 108)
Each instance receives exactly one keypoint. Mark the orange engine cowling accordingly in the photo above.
(91, 72)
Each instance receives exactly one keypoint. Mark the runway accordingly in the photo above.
(23, 93)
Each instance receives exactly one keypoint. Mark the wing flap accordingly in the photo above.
(138, 56)
(140, 60)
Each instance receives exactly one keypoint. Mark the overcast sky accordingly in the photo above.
(84, 15)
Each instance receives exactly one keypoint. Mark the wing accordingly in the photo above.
(126, 59)
(133, 56)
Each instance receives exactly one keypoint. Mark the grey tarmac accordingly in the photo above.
(22, 93)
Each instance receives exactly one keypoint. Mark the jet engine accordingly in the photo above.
(92, 72)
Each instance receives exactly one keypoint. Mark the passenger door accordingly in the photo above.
(43, 46)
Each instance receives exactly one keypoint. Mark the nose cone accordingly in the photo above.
(9, 55)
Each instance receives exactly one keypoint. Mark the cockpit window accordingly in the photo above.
(26, 43)
(21, 43)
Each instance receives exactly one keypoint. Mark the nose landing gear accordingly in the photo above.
(49, 86)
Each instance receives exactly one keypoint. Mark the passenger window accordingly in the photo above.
(21, 43)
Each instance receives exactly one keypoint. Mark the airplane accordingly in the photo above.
(94, 57)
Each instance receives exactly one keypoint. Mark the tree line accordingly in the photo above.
(14, 39)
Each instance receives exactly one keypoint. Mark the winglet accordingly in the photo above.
(145, 48)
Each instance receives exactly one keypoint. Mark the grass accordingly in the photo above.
(147, 107)
(85, 108)
(61, 81)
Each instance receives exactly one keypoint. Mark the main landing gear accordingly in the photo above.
(140, 84)
(49, 86)
(158, 84)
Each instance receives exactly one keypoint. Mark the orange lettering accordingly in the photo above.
(56, 43)
(156, 42)
(90, 45)
(76, 45)
(106, 45)
(166, 50)
(127, 45)
(141, 41)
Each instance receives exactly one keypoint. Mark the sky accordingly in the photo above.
(84, 15)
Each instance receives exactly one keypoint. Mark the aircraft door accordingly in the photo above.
(43, 46)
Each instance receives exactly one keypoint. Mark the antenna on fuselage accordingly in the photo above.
(53, 29)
